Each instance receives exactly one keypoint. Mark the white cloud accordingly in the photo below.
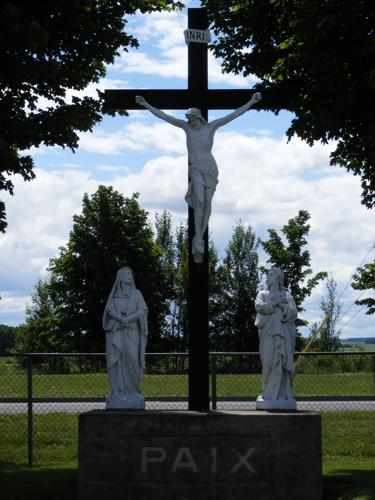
(112, 168)
(39, 218)
(13, 303)
(262, 181)
(134, 136)
(165, 31)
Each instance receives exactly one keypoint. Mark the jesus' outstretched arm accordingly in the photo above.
(160, 114)
(215, 124)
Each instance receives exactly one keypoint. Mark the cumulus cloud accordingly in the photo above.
(166, 33)
(135, 136)
(261, 181)
(264, 181)
(39, 218)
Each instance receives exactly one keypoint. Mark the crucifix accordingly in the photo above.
(199, 99)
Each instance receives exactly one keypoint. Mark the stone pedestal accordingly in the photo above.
(181, 455)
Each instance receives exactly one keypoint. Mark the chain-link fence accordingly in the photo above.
(42, 394)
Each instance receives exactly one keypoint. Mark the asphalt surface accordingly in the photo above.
(39, 408)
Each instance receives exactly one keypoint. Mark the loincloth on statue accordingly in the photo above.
(208, 177)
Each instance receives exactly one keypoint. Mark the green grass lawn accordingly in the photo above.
(348, 457)
(96, 384)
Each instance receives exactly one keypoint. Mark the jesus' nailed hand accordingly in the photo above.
(203, 171)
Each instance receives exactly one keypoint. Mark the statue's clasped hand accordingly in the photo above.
(125, 321)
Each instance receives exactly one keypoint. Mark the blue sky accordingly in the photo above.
(263, 180)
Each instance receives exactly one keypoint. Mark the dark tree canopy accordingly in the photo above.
(320, 55)
(45, 49)
(7, 338)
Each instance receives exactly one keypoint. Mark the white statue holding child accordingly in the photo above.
(276, 315)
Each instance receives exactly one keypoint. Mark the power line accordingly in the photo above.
(362, 261)
(354, 315)
(326, 318)
(351, 305)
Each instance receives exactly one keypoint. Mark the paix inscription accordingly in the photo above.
(199, 459)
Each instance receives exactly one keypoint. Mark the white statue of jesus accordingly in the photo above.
(203, 171)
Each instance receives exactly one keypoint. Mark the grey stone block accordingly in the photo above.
(178, 455)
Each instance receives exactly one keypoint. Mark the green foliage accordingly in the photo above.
(364, 279)
(327, 336)
(233, 309)
(7, 338)
(111, 232)
(45, 49)
(318, 57)
(294, 260)
(40, 332)
(175, 268)
(335, 365)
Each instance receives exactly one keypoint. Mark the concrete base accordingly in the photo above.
(132, 402)
(276, 404)
(181, 455)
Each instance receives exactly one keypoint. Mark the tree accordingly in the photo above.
(7, 338)
(233, 310)
(326, 333)
(318, 56)
(112, 231)
(47, 48)
(174, 265)
(40, 332)
(364, 279)
(293, 259)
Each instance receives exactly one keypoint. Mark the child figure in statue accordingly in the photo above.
(125, 324)
(276, 315)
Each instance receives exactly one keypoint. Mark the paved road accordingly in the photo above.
(13, 408)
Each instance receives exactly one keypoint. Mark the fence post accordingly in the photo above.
(30, 409)
(373, 366)
(213, 381)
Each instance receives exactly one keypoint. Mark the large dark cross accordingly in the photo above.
(199, 96)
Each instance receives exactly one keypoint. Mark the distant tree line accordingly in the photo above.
(113, 231)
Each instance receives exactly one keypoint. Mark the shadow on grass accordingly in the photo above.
(19, 482)
(23, 483)
(349, 484)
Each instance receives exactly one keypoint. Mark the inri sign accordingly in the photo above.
(197, 36)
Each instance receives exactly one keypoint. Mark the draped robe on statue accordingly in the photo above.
(125, 346)
(277, 335)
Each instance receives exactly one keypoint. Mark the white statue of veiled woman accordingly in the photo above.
(125, 324)
(276, 315)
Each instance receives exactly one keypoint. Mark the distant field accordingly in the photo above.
(365, 346)
(96, 385)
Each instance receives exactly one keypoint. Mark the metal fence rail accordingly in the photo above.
(40, 390)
